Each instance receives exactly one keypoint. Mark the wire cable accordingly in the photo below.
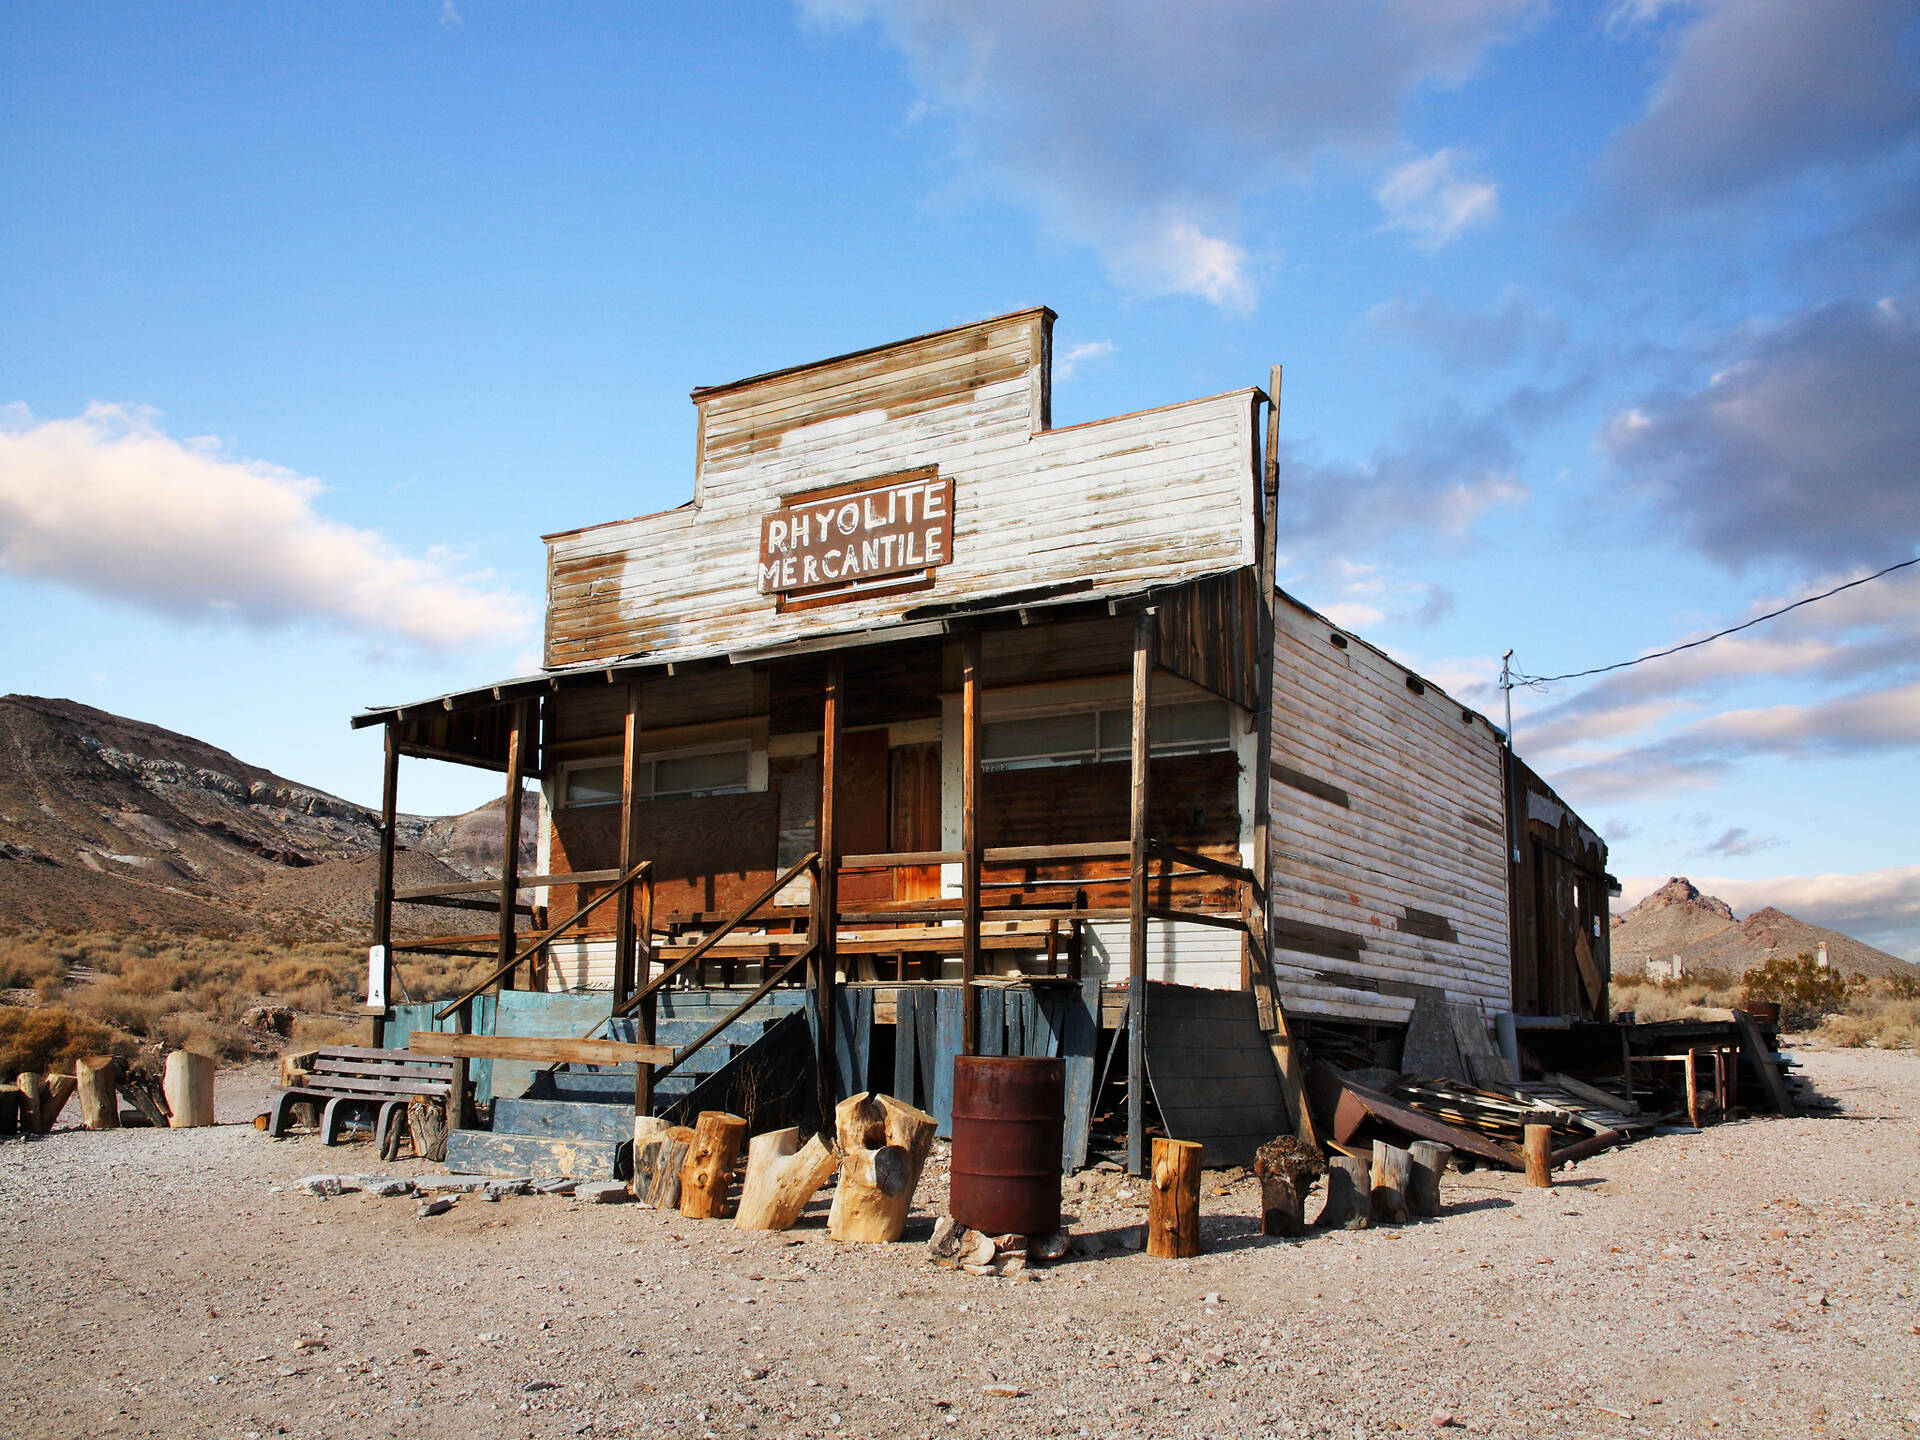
(1536, 681)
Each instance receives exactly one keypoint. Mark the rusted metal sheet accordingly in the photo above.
(1008, 1120)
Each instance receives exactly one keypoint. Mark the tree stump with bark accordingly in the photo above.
(1173, 1200)
(33, 1095)
(656, 1165)
(189, 1089)
(1391, 1175)
(94, 1083)
(1430, 1161)
(1349, 1204)
(782, 1176)
(1287, 1170)
(883, 1144)
(707, 1172)
(427, 1127)
(1539, 1155)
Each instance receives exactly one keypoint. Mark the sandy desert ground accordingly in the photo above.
(1755, 1279)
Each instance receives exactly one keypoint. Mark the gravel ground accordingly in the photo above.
(1756, 1279)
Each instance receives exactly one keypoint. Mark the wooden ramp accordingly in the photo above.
(1212, 1072)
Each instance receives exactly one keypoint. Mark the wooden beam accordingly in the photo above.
(826, 894)
(969, 841)
(527, 882)
(510, 845)
(383, 886)
(1137, 909)
(556, 1050)
(650, 986)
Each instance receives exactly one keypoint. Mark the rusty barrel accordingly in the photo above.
(1008, 1114)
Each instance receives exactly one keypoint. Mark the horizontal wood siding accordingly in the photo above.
(1146, 499)
(1387, 855)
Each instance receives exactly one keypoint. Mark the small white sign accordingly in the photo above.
(377, 977)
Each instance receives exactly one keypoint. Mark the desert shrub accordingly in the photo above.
(310, 1031)
(1805, 991)
(28, 963)
(53, 1037)
(207, 1036)
(1653, 1001)
(1880, 1012)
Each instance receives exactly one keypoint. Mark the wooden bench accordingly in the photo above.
(347, 1075)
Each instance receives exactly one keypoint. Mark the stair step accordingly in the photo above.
(685, 1032)
(564, 1119)
(486, 1152)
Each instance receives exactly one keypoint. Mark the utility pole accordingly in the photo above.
(1506, 689)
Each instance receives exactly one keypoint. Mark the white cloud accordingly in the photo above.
(1435, 200)
(109, 503)
(1064, 365)
(1878, 907)
(1800, 443)
(1138, 128)
(1760, 91)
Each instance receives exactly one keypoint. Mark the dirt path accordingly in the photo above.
(1756, 1279)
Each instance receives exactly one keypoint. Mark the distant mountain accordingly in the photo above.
(111, 823)
(1678, 920)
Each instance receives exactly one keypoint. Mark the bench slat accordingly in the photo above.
(369, 1089)
(425, 1069)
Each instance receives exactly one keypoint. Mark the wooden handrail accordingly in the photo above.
(1194, 860)
(887, 860)
(766, 986)
(526, 882)
(632, 1002)
(545, 937)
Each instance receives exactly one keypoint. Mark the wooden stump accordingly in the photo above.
(645, 1128)
(1173, 1200)
(1283, 1209)
(1430, 1161)
(1392, 1174)
(60, 1089)
(1287, 1169)
(93, 1082)
(33, 1095)
(427, 1127)
(139, 1092)
(707, 1172)
(1349, 1195)
(189, 1087)
(656, 1166)
(883, 1143)
(782, 1177)
(1539, 1152)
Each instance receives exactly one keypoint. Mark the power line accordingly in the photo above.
(1535, 681)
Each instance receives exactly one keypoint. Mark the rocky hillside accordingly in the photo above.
(1678, 920)
(110, 823)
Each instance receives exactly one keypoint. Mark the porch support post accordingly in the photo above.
(826, 897)
(1137, 918)
(625, 956)
(383, 886)
(510, 843)
(969, 841)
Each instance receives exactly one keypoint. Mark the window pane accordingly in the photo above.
(1189, 724)
(700, 774)
(593, 785)
(1057, 736)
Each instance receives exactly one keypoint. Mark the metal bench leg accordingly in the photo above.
(277, 1116)
(386, 1128)
(328, 1117)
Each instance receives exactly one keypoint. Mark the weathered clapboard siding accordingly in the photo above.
(1108, 507)
(721, 694)
(1204, 955)
(1411, 869)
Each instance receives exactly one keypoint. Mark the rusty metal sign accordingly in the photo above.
(845, 541)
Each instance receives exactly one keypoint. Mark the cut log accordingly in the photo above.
(706, 1175)
(33, 1095)
(1391, 1175)
(1173, 1200)
(645, 1129)
(1539, 1153)
(60, 1089)
(189, 1087)
(883, 1144)
(99, 1106)
(1430, 1161)
(782, 1176)
(1283, 1209)
(9, 1109)
(1349, 1195)
(656, 1167)
(427, 1126)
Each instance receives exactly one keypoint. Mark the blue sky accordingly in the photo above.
(1601, 326)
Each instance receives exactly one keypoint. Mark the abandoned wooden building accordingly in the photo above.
(928, 727)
